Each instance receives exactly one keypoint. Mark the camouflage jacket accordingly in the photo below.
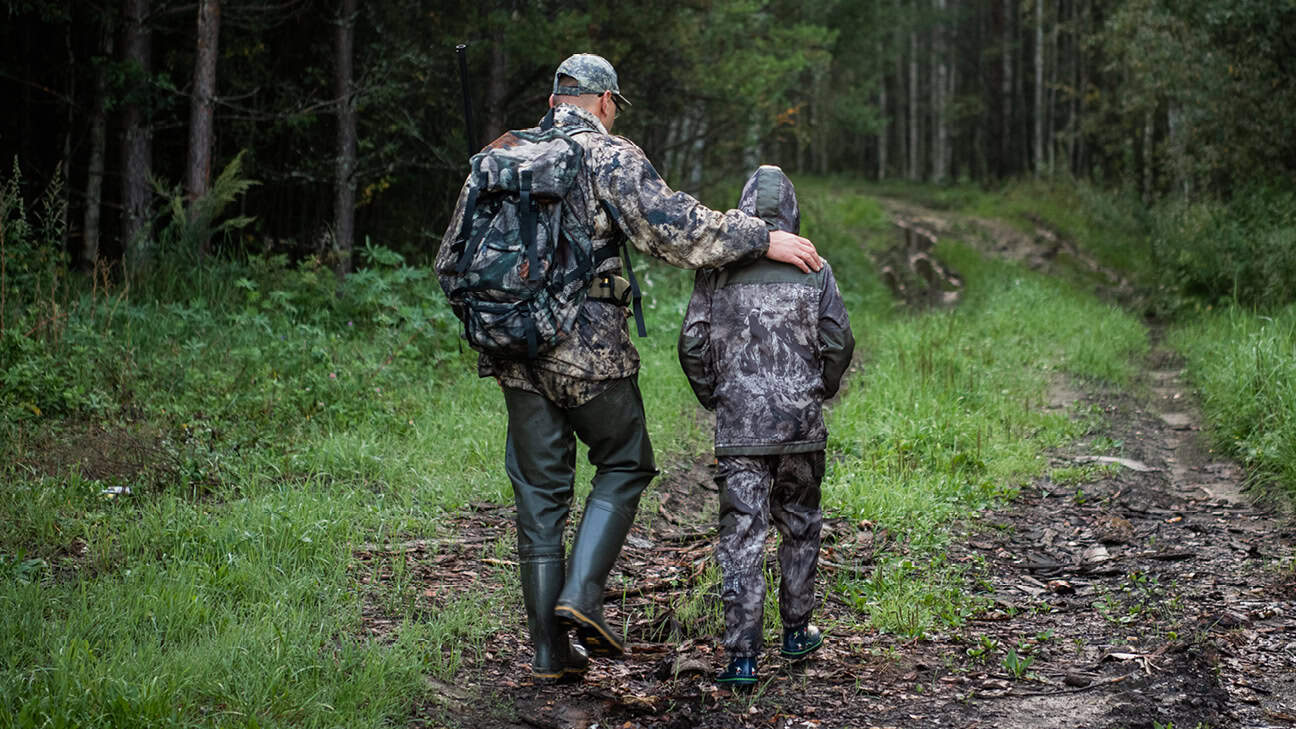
(673, 226)
(764, 344)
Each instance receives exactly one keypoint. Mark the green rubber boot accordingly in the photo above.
(602, 531)
(555, 657)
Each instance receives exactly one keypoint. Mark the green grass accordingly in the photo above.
(1242, 365)
(287, 424)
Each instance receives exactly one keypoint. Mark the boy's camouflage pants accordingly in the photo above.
(754, 489)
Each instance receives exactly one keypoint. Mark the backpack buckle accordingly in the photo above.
(610, 287)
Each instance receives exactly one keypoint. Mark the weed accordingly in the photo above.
(22, 569)
(1068, 476)
(1106, 445)
(1017, 664)
(984, 649)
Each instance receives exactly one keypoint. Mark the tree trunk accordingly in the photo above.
(137, 138)
(1039, 87)
(1053, 70)
(98, 143)
(902, 129)
(697, 167)
(947, 137)
(344, 184)
(497, 95)
(1006, 91)
(939, 73)
(915, 172)
(201, 105)
(1148, 167)
(819, 114)
(1082, 62)
(882, 111)
(65, 166)
(1073, 77)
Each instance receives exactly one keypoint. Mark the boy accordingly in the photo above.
(763, 345)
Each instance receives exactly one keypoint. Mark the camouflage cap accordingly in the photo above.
(593, 75)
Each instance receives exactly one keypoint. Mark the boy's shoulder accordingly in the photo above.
(764, 271)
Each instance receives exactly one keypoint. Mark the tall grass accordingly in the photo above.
(1243, 364)
(1211, 252)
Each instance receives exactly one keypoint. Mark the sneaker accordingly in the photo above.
(800, 642)
(740, 675)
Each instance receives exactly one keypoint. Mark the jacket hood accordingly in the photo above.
(769, 195)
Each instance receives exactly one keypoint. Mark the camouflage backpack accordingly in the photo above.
(521, 265)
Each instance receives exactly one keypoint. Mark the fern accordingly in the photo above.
(192, 224)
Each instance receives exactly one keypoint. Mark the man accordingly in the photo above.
(586, 387)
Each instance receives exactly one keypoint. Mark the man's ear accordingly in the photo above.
(551, 101)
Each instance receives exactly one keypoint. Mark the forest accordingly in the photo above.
(249, 476)
(349, 116)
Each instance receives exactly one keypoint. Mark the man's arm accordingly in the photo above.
(670, 225)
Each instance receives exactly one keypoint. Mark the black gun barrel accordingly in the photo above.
(462, 51)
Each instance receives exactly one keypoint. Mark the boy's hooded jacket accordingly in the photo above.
(764, 344)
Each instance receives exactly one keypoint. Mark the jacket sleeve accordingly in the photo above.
(836, 342)
(695, 340)
(667, 224)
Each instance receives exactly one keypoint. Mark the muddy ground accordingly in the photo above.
(1150, 591)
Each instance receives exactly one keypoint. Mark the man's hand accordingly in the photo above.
(793, 249)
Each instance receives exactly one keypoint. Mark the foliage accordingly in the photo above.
(1217, 74)
(32, 262)
(1244, 250)
(192, 224)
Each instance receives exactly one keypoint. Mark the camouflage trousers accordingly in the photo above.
(754, 490)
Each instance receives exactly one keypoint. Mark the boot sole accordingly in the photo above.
(597, 640)
(797, 655)
(564, 676)
(737, 684)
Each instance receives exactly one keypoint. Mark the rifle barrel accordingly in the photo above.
(461, 50)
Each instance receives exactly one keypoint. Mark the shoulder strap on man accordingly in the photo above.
(636, 296)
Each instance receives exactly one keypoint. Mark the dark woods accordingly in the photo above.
(349, 115)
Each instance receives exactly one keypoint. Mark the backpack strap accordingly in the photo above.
(636, 296)
(528, 223)
(532, 337)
